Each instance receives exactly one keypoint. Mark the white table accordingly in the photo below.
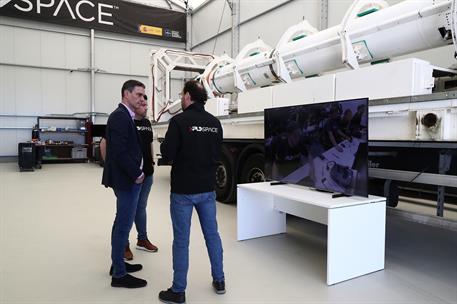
(355, 225)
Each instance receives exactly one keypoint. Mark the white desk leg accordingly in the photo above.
(355, 241)
(256, 216)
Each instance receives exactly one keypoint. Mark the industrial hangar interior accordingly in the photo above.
(323, 168)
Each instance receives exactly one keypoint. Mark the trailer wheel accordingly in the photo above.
(391, 193)
(253, 169)
(225, 181)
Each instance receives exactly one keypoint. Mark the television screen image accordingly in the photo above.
(322, 146)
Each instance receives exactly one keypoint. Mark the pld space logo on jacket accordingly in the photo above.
(202, 129)
(144, 128)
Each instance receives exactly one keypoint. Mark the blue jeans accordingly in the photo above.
(140, 218)
(181, 208)
(126, 204)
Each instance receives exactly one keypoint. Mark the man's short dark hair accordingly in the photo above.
(130, 85)
(196, 91)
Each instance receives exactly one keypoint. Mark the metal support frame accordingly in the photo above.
(440, 201)
(188, 29)
(169, 4)
(71, 70)
(235, 45)
(16, 128)
(235, 7)
(323, 18)
(444, 166)
(163, 62)
(92, 75)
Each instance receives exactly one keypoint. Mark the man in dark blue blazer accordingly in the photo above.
(123, 172)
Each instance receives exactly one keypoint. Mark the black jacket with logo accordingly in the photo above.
(145, 132)
(193, 144)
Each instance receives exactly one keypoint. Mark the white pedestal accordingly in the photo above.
(356, 225)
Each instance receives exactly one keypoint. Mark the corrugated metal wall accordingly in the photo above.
(44, 70)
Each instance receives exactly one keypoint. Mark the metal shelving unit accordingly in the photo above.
(64, 139)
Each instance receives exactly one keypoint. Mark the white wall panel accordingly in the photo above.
(123, 57)
(77, 52)
(10, 138)
(7, 90)
(108, 91)
(41, 26)
(54, 89)
(53, 51)
(139, 58)
(205, 22)
(6, 42)
(20, 122)
(112, 56)
(336, 11)
(27, 46)
(251, 8)
(9, 142)
(28, 88)
(78, 92)
(270, 30)
(220, 46)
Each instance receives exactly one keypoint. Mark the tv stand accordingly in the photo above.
(277, 183)
(337, 195)
(334, 195)
(355, 225)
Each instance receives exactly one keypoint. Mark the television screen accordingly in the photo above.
(322, 146)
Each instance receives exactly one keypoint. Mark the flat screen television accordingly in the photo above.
(322, 146)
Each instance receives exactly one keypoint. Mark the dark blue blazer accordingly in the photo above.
(123, 151)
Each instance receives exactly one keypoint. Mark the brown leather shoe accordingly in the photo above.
(146, 245)
(128, 255)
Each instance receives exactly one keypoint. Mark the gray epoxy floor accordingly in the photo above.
(55, 246)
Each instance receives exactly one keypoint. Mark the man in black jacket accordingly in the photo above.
(123, 172)
(193, 144)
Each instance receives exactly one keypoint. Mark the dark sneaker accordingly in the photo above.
(129, 268)
(170, 297)
(219, 287)
(146, 246)
(128, 255)
(128, 281)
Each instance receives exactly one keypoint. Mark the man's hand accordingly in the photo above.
(140, 179)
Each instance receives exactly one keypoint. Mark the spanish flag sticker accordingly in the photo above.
(151, 30)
